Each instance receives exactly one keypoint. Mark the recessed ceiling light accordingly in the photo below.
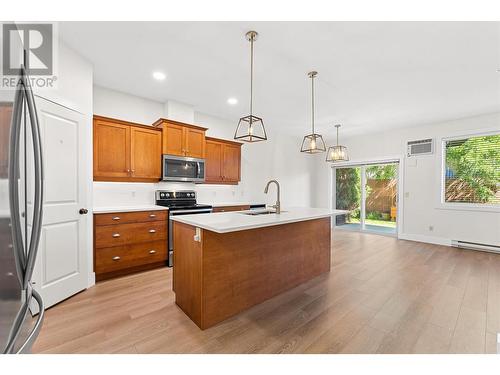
(232, 101)
(159, 76)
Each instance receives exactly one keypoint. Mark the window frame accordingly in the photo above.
(442, 204)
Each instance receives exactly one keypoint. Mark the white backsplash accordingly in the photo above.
(119, 194)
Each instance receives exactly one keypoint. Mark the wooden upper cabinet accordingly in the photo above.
(145, 152)
(5, 119)
(222, 161)
(125, 151)
(173, 139)
(231, 162)
(181, 139)
(195, 142)
(111, 150)
(213, 161)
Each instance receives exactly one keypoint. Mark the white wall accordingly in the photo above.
(74, 81)
(111, 103)
(421, 182)
(278, 158)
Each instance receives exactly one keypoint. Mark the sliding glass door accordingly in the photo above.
(370, 193)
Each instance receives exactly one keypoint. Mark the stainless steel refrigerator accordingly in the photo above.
(21, 193)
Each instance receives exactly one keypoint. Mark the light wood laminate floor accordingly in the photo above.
(382, 295)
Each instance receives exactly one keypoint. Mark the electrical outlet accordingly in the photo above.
(431, 228)
(407, 194)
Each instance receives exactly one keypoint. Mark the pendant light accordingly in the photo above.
(313, 143)
(251, 128)
(337, 153)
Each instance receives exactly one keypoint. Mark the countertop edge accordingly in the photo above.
(106, 210)
(180, 219)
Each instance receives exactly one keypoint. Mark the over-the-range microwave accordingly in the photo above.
(184, 169)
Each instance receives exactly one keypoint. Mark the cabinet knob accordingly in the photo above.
(116, 258)
(152, 251)
(116, 235)
(152, 231)
(116, 218)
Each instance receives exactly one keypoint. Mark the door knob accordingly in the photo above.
(83, 211)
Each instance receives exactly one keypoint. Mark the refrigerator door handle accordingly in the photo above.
(17, 239)
(28, 343)
(38, 179)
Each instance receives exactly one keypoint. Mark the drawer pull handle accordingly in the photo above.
(152, 251)
(152, 215)
(116, 235)
(152, 231)
(116, 218)
(116, 258)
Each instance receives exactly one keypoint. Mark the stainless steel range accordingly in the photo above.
(179, 203)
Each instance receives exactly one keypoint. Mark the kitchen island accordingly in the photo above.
(225, 263)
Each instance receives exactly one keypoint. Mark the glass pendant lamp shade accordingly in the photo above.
(313, 143)
(251, 128)
(337, 153)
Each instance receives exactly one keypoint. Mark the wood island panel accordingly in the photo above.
(227, 273)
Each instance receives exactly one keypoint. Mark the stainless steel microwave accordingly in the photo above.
(178, 168)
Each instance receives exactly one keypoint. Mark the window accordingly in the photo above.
(472, 170)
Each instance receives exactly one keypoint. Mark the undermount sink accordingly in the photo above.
(260, 212)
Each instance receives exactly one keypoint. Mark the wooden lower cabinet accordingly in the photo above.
(231, 208)
(223, 274)
(123, 257)
(126, 242)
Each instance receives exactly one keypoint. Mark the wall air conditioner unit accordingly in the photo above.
(475, 246)
(421, 147)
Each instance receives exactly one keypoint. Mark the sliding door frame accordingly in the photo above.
(399, 186)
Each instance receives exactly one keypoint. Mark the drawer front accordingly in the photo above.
(125, 234)
(130, 217)
(121, 257)
(230, 208)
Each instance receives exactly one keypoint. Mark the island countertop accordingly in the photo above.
(225, 222)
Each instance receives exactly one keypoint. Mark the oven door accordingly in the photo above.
(178, 168)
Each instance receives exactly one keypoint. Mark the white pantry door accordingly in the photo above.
(61, 268)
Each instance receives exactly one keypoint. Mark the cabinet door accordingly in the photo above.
(213, 161)
(194, 143)
(231, 163)
(173, 139)
(5, 118)
(111, 150)
(145, 153)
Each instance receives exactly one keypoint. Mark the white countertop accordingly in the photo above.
(104, 210)
(234, 221)
(227, 204)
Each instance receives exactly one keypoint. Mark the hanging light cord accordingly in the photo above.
(337, 134)
(312, 102)
(251, 75)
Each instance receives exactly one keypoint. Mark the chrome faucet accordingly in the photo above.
(277, 206)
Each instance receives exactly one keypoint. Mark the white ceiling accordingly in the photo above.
(372, 75)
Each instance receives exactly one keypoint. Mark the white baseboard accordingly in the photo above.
(426, 239)
(91, 279)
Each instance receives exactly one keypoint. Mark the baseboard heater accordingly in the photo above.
(475, 246)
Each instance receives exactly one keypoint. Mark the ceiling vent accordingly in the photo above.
(421, 147)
